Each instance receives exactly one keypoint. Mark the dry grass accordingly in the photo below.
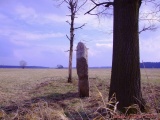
(150, 76)
(34, 94)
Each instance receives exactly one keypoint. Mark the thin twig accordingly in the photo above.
(68, 37)
(80, 26)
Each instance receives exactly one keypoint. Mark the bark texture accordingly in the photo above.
(82, 70)
(125, 77)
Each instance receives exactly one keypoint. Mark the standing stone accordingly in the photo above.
(82, 70)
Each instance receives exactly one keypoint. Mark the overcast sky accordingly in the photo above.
(35, 31)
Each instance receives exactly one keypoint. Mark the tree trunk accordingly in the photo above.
(125, 77)
(71, 44)
(70, 63)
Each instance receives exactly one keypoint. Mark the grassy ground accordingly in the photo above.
(34, 94)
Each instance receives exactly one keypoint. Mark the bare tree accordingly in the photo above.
(125, 76)
(23, 64)
(74, 6)
(60, 67)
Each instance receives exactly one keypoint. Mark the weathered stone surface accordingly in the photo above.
(82, 70)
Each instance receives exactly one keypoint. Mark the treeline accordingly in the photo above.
(150, 65)
(142, 65)
(10, 66)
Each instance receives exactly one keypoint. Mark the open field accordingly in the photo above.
(45, 94)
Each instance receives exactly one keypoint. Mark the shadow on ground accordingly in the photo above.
(53, 98)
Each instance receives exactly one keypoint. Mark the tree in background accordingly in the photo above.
(125, 77)
(74, 6)
(60, 66)
(23, 64)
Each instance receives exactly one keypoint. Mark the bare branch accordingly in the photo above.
(149, 28)
(102, 12)
(81, 5)
(61, 2)
(80, 26)
(88, 12)
(107, 4)
(68, 22)
(151, 19)
(94, 2)
(66, 1)
(68, 37)
(67, 51)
